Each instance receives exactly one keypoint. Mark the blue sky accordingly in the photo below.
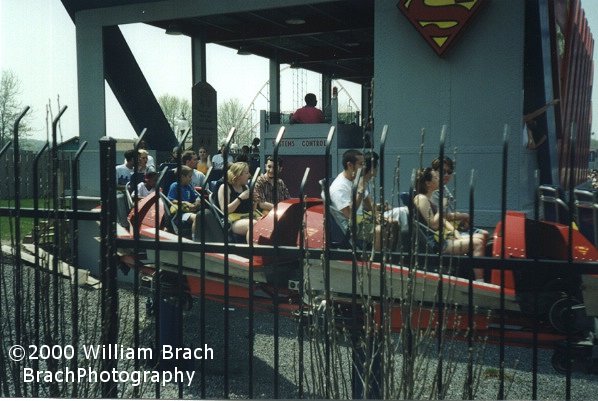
(41, 50)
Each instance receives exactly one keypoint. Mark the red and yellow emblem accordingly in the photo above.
(439, 21)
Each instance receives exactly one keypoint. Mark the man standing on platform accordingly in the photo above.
(308, 114)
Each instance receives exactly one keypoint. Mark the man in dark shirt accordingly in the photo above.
(264, 186)
(308, 114)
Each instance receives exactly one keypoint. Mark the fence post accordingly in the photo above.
(225, 153)
(379, 388)
(75, 261)
(57, 237)
(327, 240)
(250, 328)
(440, 288)
(303, 253)
(109, 296)
(37, 274)
(136, 227)
(503, 214)
(275, 201)
(17, 193)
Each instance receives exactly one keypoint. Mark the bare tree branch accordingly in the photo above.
(232, 114)
(174, 108)
(10, 107)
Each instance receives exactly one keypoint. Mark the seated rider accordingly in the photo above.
(458, 219)
(189, 159)
(264, 187)
(240, 207)
(204, 161)
(341, 198)
(189, 197)
(125, 171)
(454, 243)
(148, 185)
(396, 217)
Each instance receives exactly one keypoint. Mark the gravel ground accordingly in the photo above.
(551, 385)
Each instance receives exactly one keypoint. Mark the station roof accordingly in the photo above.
(335, 38)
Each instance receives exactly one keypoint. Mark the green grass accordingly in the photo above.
(5, 223)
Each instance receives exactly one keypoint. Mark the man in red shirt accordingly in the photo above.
(308, 114)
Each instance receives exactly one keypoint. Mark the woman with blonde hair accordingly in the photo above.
(238, 204)
(454, 242)
(203, 160)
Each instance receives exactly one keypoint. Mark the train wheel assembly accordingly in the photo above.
(563, 315)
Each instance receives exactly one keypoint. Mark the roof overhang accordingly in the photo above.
(334, 38)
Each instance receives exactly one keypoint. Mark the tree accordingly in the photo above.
(175, 109)
(232, 114)
(10, 107)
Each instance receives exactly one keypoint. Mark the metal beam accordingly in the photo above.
(92, 102)
(198, 59)
(222, 35)
(134, 93)
(274, 86)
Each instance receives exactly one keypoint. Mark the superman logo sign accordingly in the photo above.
(439, 21)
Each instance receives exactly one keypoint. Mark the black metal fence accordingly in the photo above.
(28, 185)
(274, 319)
